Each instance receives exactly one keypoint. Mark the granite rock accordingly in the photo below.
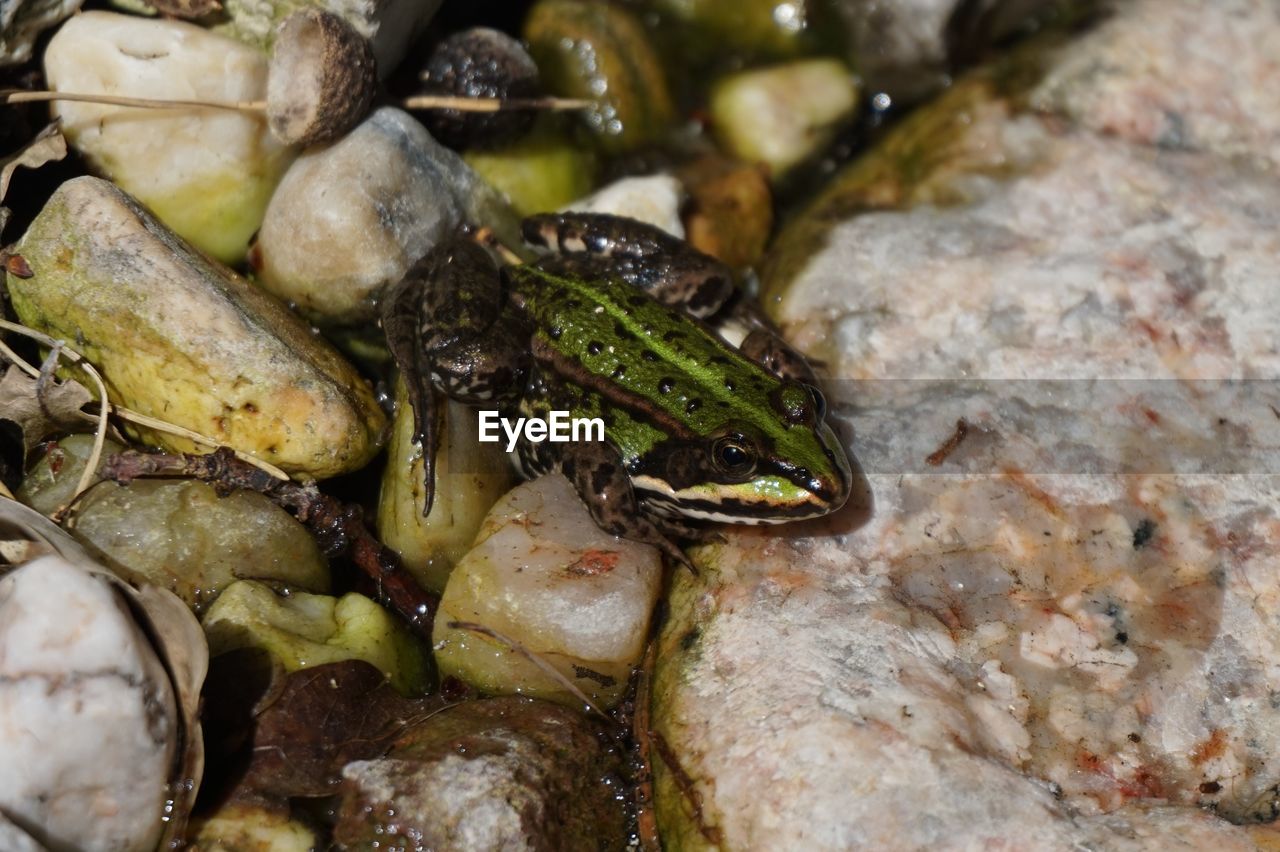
(1051, 621)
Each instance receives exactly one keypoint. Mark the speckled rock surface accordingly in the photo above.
(503, 773)
(88, 724)
(1056, 627)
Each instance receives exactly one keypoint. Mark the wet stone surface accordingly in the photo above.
(1056, 623)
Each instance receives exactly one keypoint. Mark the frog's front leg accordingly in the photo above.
(447, 331)
(746, 326)
(596, 470)
(671, 270)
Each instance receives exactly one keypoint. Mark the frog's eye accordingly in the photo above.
(733, 455)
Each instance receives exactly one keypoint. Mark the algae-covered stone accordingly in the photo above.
(502, 773)
(246, 826)
(782, 115)
(716, 31)
(206, 173)
(543, 575)
(470, 477)
(178, 534)
(541, 172)
(350, 219)
(181, 338)
(601, 52)
(302, 630)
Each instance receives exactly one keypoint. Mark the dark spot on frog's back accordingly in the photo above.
(622, 332)
(601, 476)
(649, 355)
(637, 301)
(594, 348)
(666, 384)
(692, 406)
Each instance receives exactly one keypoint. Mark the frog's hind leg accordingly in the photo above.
(596, 470)
(669, 269)
(436, 319)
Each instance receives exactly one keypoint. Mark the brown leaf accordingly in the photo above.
(40, 414)
(45, 148)
(324, 718)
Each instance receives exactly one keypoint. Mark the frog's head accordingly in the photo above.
(770, 470)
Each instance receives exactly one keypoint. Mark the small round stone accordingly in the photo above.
(479, 63)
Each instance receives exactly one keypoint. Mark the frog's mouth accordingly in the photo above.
(768, 499)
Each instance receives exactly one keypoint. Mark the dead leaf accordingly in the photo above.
(324, 718)
(38, 415)
(48, 146)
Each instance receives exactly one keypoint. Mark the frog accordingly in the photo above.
(708, 414)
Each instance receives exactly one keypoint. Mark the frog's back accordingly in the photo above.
(606, 335)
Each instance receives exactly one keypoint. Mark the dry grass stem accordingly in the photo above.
(11, 96)
(546, 668)
(105, 407)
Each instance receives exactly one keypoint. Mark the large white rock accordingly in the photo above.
(205, 173)
(544, 575)
(1060, 630)
(88, 725)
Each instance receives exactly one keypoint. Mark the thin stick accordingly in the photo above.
(23, 97)
(547, 669)
(493, 104)
(107, 407)
(12, 96)
(100, 432)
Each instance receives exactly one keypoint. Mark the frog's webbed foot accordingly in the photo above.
(597, 472)
(669, 269)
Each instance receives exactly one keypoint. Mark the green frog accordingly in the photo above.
(625, 323)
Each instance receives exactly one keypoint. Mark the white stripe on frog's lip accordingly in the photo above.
(659, 495)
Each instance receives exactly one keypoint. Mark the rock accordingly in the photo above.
(240, 826)
(1067, 639)
(1131, 79)
(179, 337)
(390, 25)
(730, 210)
(541, 172)
(479, 62)
(350, 219)
(728, 32)
(88, 723)
(654, 199)
(22, 20)
(543, 575)
(601, 52)
(907, 49)
(178, 534)
(503, 773)
(782, 115)
(205, 173)
(470, 477)
(301, 630)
